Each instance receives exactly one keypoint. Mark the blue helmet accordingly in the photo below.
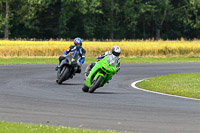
(77, 41)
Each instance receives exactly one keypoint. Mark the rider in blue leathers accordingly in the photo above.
(76, 47)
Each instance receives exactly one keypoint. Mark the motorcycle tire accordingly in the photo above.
(85, 88)
(96, 84)
(62, 74)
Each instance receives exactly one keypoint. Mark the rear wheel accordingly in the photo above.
(62, 74)
(96, 84)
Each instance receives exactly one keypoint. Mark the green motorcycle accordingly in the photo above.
(101, 73)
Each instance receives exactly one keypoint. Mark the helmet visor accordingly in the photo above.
(115, 53)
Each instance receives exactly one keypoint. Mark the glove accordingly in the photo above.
(100, 57)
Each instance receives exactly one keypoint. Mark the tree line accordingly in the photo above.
(100, 19)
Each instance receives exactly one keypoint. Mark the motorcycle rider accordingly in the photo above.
(114, 51)
(78, 48)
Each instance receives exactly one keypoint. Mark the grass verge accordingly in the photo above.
(54, 60)
(6, 127)
(183, 84)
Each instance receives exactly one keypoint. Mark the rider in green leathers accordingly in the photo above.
(114, 51)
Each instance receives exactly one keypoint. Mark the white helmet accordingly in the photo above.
(116, 50)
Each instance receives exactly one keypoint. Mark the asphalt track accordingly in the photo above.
(29, 94)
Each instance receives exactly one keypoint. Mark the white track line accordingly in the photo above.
(134, 86)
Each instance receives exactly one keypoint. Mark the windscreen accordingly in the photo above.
(112, 60)
(74, 56)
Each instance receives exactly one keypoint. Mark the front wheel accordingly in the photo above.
(62, 74)
(85, 88)
(96, 84)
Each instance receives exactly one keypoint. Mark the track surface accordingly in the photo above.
(28, 93)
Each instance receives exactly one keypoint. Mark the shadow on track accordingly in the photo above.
(107, 93)
(71, 84)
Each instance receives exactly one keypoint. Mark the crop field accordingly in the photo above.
(95, 48)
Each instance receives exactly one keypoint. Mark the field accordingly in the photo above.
(130, 49)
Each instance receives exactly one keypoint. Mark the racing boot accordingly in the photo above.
(87, 70)
(56, 68)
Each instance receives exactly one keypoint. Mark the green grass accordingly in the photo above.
(53, 60)
(158, 60)
(6, 127)
(183, 84)
(6, 61)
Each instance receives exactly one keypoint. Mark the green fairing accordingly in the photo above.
(102, 65)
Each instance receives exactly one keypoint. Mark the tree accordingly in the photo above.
(5, 17)
(6, 36)
(91, 10)
(183, 19)
(159, 9)
(136, 12)
(29, 16)
(192, 12)
(2, 19)
(110, 19)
